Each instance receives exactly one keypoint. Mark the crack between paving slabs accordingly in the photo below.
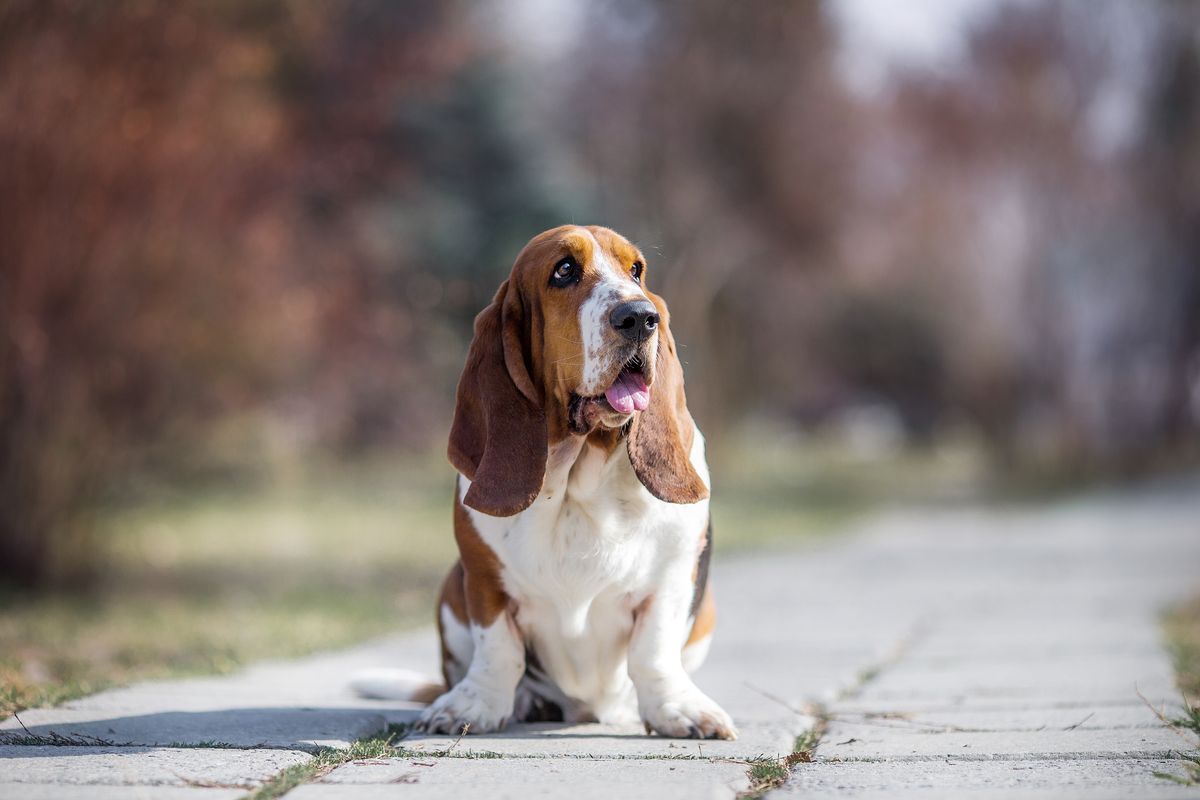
(769, 774)
(763, 774)
(386, 746)
(877, 719)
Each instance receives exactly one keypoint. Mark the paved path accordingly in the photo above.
(957, 654)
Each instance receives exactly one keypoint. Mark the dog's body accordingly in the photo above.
(577, 565)
(581, 509)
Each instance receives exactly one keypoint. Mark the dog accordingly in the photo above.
(581, 509)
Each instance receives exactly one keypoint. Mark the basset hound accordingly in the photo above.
(581, 511)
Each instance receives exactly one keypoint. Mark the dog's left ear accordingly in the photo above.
(660, 438)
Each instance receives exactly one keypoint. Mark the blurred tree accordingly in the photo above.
(1063, 290)
(134, 150)
(1167, 169)
(234, 211)
(1007, 242)
(224, 221)
(720, 139)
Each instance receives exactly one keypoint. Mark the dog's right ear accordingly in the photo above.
(498, 439)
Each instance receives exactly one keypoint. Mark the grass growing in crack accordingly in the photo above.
(806, 743)
(1191, 772)
(771, 773)
(450, 753)
(28, 738)
(1189, 719)
(766, 775)
(56, 740)
(327, 759)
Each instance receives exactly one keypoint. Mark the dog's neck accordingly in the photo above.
(586, 464)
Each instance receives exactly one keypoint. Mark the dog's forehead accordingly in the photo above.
(588, 245)
(614, 246)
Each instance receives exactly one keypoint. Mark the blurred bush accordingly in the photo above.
(270, 223)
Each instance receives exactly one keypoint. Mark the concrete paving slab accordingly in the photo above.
(1024, 632)
(922, 705)
(1065, 779)
(143, 766)
(858, 743)
(1083, 694)
(302, 703)
(1095, 642)
(1011, 719)
(770, 682)
(520, 779)
(1114, 676)
(58, 791)
(755, 740)
(303, 728)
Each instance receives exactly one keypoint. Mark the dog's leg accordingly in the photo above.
(482, 700)
(668, 701)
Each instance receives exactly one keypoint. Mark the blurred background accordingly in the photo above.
(938, 255)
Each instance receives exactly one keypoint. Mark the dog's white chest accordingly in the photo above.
(579, 561)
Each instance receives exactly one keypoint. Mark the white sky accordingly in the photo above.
(878, 34)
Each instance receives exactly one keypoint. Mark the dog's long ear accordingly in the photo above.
(660, 438)
(498, 438)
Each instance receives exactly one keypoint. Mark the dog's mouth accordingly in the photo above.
(628, 394)
(629, 391)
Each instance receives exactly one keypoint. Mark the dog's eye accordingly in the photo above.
(565, 272)
(636, 271)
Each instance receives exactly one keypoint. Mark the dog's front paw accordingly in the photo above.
(688, 714)
(467, 707)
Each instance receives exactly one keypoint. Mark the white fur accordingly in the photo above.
(484, 698)
(695, 653)
(458, 640)
(598, 360)
(390, 683)
(594, 546)
(614, 286)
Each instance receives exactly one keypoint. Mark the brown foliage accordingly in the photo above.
(161, 261)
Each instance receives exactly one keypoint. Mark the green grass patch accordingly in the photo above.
(805, 748)
(327, 759)
(766, 775)
(771, 773)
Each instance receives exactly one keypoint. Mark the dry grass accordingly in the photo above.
(1182, 626)
(207, 582)
(1183, 636)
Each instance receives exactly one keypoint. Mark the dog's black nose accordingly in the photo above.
(635, 319)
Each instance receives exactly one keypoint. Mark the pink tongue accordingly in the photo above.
(628, 393)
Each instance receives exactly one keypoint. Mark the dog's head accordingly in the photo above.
(573, 344)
